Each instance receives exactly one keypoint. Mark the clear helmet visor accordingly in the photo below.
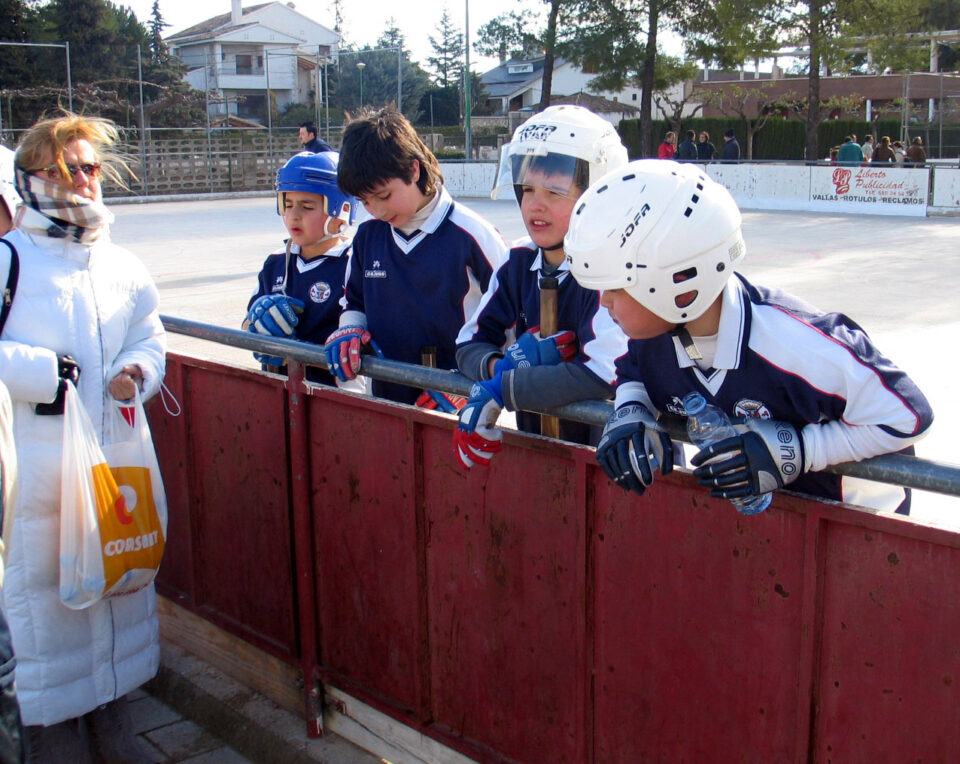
(559, 173)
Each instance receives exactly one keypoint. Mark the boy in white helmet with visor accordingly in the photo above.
(662, 241)
(548, 164)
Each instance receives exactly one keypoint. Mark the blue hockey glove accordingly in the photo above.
(343, 349)
(477, 438)
(276, 315)
(530, 350)
(633, 444)
(449, 403)
(68, 370)
(768, 456)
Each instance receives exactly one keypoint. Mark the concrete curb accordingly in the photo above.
(245, 720)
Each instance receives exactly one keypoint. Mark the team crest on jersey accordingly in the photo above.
(748, 408)
(320, 292)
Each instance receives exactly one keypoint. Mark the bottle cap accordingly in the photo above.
(694, 403)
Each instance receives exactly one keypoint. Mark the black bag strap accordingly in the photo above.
(11, 289)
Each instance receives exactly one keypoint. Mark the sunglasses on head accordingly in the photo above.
(90, 169)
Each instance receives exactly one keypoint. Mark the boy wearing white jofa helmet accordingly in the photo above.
(549, 163)
(299, 287)
(662, 240)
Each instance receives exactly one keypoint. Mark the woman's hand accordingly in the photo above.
(125, 385)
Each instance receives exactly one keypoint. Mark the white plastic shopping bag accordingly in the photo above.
(113, 510)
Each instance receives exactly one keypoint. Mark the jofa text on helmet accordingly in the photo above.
(536, 132)
(633, 224)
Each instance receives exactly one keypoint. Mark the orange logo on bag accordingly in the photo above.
(130, 532)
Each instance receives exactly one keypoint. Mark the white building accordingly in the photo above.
(243, 57)
(516, 86)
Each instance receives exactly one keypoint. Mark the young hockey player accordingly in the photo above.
(662, 240)
(549, 163)
(299, 286)
(419, 267)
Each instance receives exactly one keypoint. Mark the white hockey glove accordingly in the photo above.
(768, 456)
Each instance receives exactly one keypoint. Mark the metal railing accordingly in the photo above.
(897, 469)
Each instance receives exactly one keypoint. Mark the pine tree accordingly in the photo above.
(447, 64)
(158, 48)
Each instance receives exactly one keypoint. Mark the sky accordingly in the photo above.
(363, 20)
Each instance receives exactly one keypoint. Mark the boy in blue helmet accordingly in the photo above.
(299, 287)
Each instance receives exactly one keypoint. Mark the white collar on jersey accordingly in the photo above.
(730, 334)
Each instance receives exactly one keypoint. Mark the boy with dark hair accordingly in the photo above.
(548, 165)
(662, 241)
(418, 268)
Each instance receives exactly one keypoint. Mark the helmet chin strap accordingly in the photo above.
(689, 346)
(343, 217)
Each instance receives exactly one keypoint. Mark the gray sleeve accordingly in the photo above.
(474, 358)
(549, 386)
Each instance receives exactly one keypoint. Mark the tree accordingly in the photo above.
(753, 105)
(447, 63)
(509, 36)
(158, 48)
(549, 53)
(617, 39)
(690, 101)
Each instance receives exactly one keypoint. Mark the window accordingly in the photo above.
(244, 64)
(633, 97)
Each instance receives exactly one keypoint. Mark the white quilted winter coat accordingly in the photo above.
(98, 304)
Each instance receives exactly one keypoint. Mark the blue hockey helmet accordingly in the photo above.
(316, 174)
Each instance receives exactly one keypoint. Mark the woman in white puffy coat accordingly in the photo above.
(84, 309)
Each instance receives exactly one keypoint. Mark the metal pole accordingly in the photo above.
(143, 125)
(400, 78)
(266, 58)
(206, 98)
(69, 78)
(316, 91)
(466, 80)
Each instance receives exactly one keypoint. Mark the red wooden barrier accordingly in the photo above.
(535, 612)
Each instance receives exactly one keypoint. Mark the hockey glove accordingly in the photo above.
(343, 349)
(768, 456)
(477, 438)
(276, 315)
(633, 444)
(530, 350)
(67, 370)
(445, 402)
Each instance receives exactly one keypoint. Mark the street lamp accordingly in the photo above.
(361, 66)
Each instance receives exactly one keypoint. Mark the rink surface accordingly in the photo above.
(898, 277)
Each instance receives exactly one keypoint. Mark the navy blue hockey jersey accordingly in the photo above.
(318, 282)
(511, 306)
(779, 358)
(417, 291)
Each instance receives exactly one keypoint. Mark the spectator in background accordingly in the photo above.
(916, 156)
(687, 151)
(668, 147)
(884, 154)
(309, 139)
(867, 148)
(706, 151)
(850, 153)
(898, 152)
(731, 149)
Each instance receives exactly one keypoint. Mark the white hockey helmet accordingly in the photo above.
(657, 229)
(579, 143)
(8, 193)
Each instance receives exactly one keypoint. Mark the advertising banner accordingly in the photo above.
(873, 189)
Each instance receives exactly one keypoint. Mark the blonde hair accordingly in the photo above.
(49, 137)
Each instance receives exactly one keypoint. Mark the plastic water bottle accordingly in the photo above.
(708, 424)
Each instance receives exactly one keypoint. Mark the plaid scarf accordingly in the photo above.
(72, 216)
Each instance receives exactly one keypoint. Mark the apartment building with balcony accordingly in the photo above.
(249, 57)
